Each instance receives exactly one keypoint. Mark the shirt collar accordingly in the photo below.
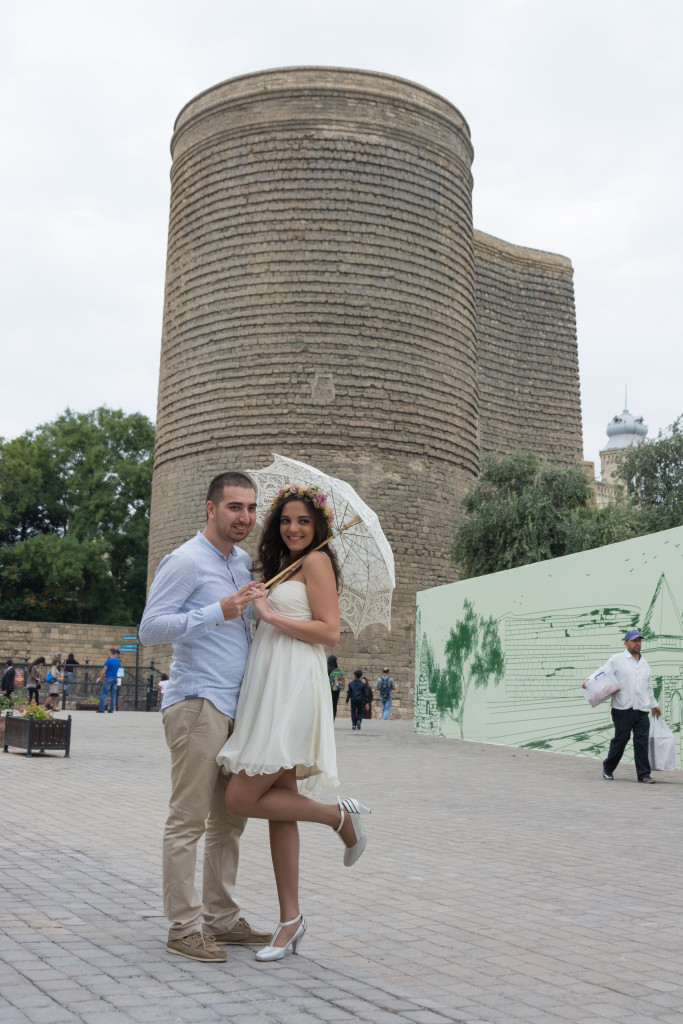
(203, 540)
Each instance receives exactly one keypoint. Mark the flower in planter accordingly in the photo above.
(40, 714)
(14, 701)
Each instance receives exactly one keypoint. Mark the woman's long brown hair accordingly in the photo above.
(274, 555)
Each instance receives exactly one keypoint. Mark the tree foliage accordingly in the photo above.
(523, 510)
(74, 518)
(652, 473)
(474, 657)
(517, 513)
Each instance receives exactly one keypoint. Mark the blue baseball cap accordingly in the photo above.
(632, 634)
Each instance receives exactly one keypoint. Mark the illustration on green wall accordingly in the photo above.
(474, 657)
(501, 658)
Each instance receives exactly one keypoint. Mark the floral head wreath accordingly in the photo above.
(313, 495)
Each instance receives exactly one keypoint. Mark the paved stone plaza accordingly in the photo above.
(499, 885)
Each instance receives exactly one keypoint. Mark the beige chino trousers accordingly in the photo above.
(195, 732)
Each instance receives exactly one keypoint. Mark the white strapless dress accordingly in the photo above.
(284, 715)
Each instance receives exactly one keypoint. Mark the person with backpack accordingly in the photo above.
(386, 685)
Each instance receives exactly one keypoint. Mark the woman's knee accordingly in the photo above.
(234, 799)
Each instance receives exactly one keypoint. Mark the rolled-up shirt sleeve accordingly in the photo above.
(164, 620)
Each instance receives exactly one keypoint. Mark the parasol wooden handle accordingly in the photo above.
(295, 565)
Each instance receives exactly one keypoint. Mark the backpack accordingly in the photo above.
(385, 687)
(48, 677)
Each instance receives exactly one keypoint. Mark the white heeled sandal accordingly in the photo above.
(354, 809)
(272, 952)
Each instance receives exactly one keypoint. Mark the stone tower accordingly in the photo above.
(624, 431)
(321, 302)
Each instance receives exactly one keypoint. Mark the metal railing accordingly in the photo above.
(136, 691)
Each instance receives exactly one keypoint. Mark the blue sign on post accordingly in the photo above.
(133, 647)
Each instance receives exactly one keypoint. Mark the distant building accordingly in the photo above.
(623, 431)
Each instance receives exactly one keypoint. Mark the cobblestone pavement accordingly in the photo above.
(498, 885)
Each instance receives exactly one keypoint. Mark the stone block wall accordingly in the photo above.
(319, 303)
(24, 641)
(327, 298)
(528, 371)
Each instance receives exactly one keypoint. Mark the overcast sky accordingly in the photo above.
(574, 108)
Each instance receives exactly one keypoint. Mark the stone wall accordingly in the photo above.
(321, 303)
(528, 369)
(24, 641)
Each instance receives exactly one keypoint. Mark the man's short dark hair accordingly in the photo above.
(230, 479)
(358, 672)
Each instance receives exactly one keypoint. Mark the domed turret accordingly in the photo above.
(625, 430)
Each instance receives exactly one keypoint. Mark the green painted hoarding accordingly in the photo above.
(501, 658)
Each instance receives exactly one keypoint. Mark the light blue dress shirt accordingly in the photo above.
(183, 609)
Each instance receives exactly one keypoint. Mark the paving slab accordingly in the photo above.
(499, 886)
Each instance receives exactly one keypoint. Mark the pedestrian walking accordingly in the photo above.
(109, 677)
(356, 695)
(68, 673)
(53, 680)
(8, 678)
(337, 682)
(386, 686)
(631, 705)
(367, 707)
(34, 680)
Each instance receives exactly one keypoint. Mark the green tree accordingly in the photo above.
(74, 518)
(517, 513)
(652, 473)
(522, 510)
(474, 657)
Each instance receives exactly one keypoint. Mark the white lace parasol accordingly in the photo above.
(365, 558)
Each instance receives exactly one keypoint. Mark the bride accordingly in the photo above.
(282, 746)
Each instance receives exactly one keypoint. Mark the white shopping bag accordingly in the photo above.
(662, 747)
(600, 686)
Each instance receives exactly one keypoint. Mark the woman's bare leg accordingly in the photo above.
(256, 796)
(284, 851)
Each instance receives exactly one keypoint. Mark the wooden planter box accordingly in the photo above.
(30, 735)
(82, 706)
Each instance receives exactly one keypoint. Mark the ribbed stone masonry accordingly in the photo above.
(321, 303)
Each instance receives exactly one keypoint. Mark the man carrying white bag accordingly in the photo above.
(600, 686)
(631, 703)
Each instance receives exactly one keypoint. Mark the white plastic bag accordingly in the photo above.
(600, 686)
(662, 747)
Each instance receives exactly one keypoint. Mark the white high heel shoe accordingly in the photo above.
(272, 952)
(354, 809)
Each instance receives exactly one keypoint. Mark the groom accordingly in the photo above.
(197, 603)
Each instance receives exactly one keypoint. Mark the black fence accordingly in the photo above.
(136, 690)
